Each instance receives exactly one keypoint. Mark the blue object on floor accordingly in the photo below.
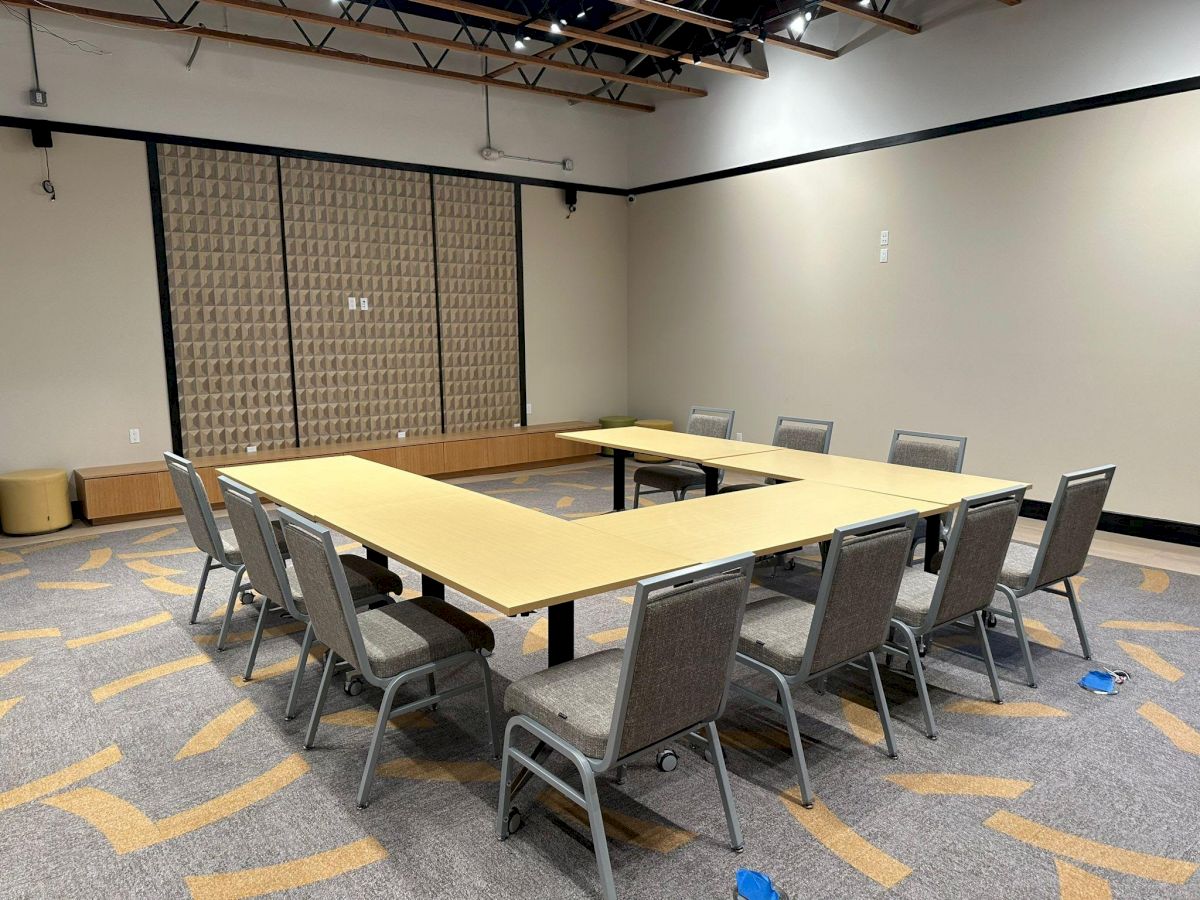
(1099, 682)
(753, 885)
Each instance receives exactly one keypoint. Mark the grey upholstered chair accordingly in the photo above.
(963, 587)
(369, 583)
(221, 550)
(1061, 555)
(793, 433)
(679, 479)
(390, 645)
(927, 450)
(599, 710)
(792, 641)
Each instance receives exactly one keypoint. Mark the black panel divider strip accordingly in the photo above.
(287, 297)
(437, 300)
(519, 225)
(1147, 527)
(164, 296)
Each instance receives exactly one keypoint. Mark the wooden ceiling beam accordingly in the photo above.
(417, 37)
(868, 13)
(250, 40)
(618, 21)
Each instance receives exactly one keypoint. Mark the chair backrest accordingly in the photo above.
(710, 422)
(925, 450)
(812, 435)
(256, 539)
(680, 652)
(1071, 525)
(983, 528)
(858, 591)
(197, 511)
(326, 594)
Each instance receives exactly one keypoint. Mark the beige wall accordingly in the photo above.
(576, 363)
(1042, 297)
(81, 353)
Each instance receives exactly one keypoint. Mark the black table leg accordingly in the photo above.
(561, 633)
(933, 539)
(711, 480)
(376, 557)
(431, 587)
(619, 457)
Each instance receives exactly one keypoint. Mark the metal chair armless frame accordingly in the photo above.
(1067, 521)
(929, 437)
(682, 495)
(978, 552)
(346, 643)
(616, 753)
(197, 510)
(843, 539)
(777, 441)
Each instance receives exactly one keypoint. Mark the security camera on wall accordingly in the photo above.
(632, 198)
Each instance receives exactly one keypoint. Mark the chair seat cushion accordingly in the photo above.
(234, 554)
(478, 635)
(668, 478)
(775, 632)
(365, 578)
(915, 597)
(1018, 563)
(403, 635)
(730, 488)
(574, 700)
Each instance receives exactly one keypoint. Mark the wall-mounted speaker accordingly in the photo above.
(42, 136)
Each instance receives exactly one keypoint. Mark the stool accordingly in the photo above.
(661, 425)
(34, 501)
(614, 422)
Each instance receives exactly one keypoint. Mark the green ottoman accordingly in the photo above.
(615, 422)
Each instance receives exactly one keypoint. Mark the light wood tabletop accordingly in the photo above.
(867, 474)
(780, 517)
(508, 557)
(673, 444)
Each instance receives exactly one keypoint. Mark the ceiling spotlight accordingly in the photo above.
(696, 57)
(864, 2)
(519, 43)
(798, 24)
(555, 28)
(762, 34)
(808, 16)
(582, 11)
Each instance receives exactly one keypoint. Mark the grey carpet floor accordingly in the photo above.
(135, 763)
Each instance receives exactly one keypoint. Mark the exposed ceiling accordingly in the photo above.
(618, 53)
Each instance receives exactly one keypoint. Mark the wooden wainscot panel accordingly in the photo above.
(463, 456)
(129, 495)
(548, 446)
(423, 459)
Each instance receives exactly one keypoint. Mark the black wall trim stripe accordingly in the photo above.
(1026, 115)
(1135, 526)
(520, 226)
(164, 296)
(287, 296)
(437, 300)
(159, 138)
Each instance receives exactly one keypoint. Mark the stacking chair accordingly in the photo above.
(1061, 554)
(369, 583)
(678, 480)
(964, 586)
(390, 645)
(221, 550)
(792, 433)
(600, 710)
(792, 641)
(926, 450)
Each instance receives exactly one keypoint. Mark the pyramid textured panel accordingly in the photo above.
(477, 284)
(228, 309)
(360, 231)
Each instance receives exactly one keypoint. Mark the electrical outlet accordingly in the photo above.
(883, 238)
(401, 435)
(529, 409)
(883, 254)
(252, 448)
(38, 97)
(135, 435)
(738, 436)
(362, 304)
(353, 302)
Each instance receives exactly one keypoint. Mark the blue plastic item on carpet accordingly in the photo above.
(1099, 682)
(753, 885)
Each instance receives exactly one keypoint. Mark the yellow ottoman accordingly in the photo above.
(34, 501)
(661, 425)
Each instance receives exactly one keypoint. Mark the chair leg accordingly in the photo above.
(731, 815)
(599, 839)
(914, 659)
(793, 729)
(1022, 637)
(257, 639)
(208, 567)
(493, 735)
(881, 705)
(1073, 599)
(503, 801)
(289, 712)
(310, 736)
(985, 647)
(368, 775)
(431, 680)
(637, 493)
(235, 591)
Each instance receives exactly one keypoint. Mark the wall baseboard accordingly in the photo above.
(1186, 533)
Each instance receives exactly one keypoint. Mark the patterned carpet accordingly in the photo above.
(136, 763)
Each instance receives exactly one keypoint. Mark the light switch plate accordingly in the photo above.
(135, 435)
(252, 448)
(883, 238)
(883, 254)
(353, 302)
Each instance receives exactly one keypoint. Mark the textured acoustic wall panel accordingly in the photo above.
(476, 225)
(228, 307)
(359, 231)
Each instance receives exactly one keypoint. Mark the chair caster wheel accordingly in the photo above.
(708, 757)
(741, 849)
(353, 686)
(989, 619)
(932, 737)
(247, 600)
(667, 761)
(514, 820)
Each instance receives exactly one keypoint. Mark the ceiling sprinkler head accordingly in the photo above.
(491, 154)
